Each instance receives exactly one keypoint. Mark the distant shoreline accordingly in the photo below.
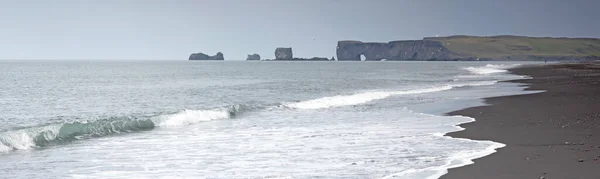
(452, 48)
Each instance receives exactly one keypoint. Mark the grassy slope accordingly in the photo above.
(500, 46)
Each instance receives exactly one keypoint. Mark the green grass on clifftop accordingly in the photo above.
(501, 46)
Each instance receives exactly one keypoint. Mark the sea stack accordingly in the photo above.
(284, 54)
(253, 57)
(202, 56)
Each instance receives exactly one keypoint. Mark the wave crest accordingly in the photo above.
(342, 100)
(490, 69)
(361, 98)
(188, 117)
(32, 137)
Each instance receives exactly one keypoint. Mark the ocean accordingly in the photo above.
(238, 119)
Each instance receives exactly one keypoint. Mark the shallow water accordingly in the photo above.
(163, 119)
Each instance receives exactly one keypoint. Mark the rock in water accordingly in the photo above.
(313, 59)
(284, 54)
(218, 56)
(253, 57)
(199, 56)
(202, 56)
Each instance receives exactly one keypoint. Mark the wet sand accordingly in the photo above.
(554, 134)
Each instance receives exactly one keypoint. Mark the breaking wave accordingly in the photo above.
(361, 98)
(490, 69)
(51, 134)
(40, 136)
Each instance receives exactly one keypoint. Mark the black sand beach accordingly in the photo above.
(553, 134)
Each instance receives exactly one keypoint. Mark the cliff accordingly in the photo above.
(397, 50)
(202, 56)
(473, 48)
(253, 57)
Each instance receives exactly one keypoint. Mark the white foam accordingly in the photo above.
(479, 83)
(426, 90)
(299, 145)
(4, 148)
(17, 139)
(463, 159)
(24, 139)
(187, 117)
(379, 143)
(457, 160)
(341, 100)
(490, 69)
(362, 98)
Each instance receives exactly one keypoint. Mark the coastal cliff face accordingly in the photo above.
(284, 54)
(202, 56)
(253, 57)
(396, 50)
(499, 48)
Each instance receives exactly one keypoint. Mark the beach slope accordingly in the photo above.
(553, 134)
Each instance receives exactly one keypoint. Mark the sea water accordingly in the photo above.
(194, 119)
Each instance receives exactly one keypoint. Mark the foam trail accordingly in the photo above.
(458, 160)
(454, 162)
(361, 98)
(467, 158)
(342, 100)
(490, 69)
(479, 83)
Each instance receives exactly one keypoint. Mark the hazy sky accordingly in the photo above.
(172, 29)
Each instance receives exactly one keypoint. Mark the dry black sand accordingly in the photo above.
(553, 134)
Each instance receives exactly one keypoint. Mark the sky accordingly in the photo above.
(172, 29)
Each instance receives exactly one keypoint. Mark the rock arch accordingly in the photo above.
(362, 57)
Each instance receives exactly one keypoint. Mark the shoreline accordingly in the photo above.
(552, 134)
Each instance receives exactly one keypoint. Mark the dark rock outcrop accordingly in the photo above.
(253, 57)
(284, 54)
(301, 59)
(202, 56)
(311, 59)
(396, 50)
